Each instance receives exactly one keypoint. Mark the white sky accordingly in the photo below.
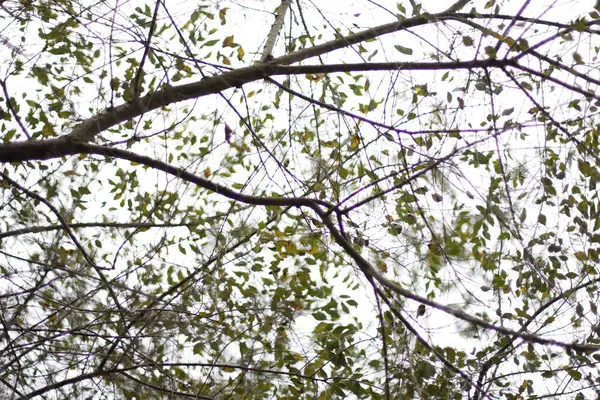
(356, 15)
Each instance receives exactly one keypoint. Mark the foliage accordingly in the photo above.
(264, 200)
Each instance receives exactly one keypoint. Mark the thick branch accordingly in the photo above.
(55, 148)
(88, 129)
(384, 66)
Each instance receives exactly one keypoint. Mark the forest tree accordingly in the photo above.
(295, 199)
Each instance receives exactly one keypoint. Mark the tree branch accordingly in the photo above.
(275, 29)
(368, 269)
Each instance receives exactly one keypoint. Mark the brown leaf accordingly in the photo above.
(228, 133)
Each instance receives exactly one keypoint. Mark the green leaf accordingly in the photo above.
(319, 316)
(403, 50)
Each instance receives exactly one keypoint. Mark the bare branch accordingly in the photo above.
(275, 29)
(459, 5)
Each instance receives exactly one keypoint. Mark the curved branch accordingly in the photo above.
(368, 269)
(97, 374)
(55, 148)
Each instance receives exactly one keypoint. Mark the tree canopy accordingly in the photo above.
(299, 200)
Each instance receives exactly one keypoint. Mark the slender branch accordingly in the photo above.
(140, 70)
(339, 110)
(429, 166)
(384, 348)
(171, 392)
(460, 4)
(182, 284)
(511, 24)
(63, 222)
(12, 109)
(11, 387)
(570, 70)
(122, 225)
(550, 118)
(420, 338)
(500, 353)
(49, 228)
(73, 238)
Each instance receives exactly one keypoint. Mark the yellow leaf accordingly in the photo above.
(421, 90)
(290, 246)
(510, 42)
(47, 130)
(240, 53)
(222, 13)
(207, 172)
(228, 42)
(314, 77)
(580, 255)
